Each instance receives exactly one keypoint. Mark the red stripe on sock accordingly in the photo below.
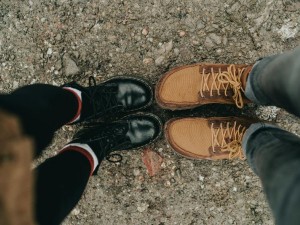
(79, 105)
(82, 151)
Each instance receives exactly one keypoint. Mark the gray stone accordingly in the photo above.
(58, 65)
(58, 37)
(208, 42)
(215, 38)
(49, 51)
(70, 67)
(165, 48)
(159, 60)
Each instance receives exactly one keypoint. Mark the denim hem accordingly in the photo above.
(249, 93)
(254, 90)
(251, 130)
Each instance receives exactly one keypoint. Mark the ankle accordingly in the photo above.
(249, 92)
(78, 96)
(86, 151)
(253, 128)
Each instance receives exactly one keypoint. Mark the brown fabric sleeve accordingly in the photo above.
(16, 181)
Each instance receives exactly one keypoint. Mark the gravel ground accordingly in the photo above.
(57, 41)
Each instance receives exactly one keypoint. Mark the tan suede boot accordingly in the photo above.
(208, 138)
(190, 86)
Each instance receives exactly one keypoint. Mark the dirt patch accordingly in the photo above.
(57, 41)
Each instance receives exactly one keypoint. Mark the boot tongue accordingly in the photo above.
(121, 128)
(121, 140)
(245, 76)
(107, 99)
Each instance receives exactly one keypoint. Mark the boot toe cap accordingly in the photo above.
(143, 129)
(134, 93)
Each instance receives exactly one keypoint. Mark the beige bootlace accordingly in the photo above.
(225, 80)
(234, 134)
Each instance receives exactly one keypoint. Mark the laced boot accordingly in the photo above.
(208, 138)
(116, 96)
(190, 86)
(130, 132)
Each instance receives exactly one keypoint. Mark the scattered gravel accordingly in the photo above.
(57, 41)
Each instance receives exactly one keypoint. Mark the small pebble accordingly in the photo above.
(219, 51)
(168, 183)
(145, 31)
(178, 173)
(176, 52)
(148, 61)
(70, 67)
(75, 212)
(142, 207)
(136, 172)
(49, 51)
(58, 37)
(182, 33)
(15, 84)
(201, 178)
(159, 60)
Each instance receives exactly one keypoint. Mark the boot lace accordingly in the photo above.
(103, 99)
(228, 139)
(108, 138)
(230, 79)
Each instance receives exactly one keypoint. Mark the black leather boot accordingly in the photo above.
(113, 97)
(128, 133)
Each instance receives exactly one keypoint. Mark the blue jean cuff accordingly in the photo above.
(251, 130)
(249, 92)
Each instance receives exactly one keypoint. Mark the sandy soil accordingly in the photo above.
(56, 41)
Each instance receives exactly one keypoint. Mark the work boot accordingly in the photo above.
(190, 86)
(208, 138)
(130, 132)
(116, 96)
